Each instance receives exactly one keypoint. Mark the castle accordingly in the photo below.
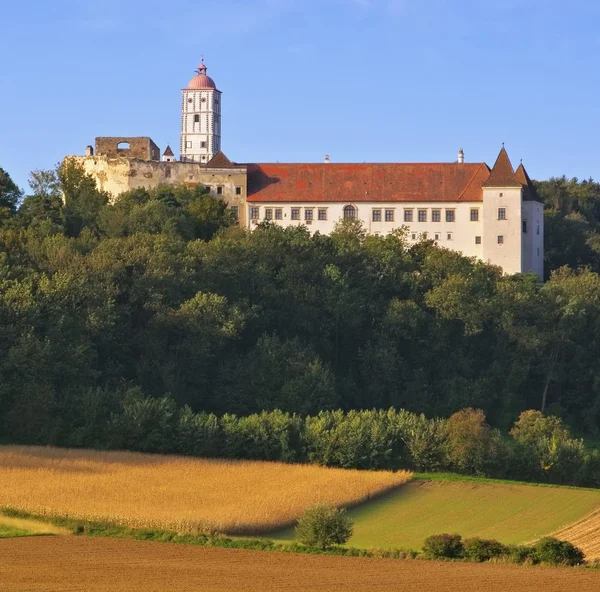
(490, 213)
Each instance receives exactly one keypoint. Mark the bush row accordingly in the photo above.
(539, 448)
(547, 550)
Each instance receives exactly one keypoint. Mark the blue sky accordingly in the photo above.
(360, 80)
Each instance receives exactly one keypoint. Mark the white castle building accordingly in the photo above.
(489, 213)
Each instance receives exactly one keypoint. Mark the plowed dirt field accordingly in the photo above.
(69, 564)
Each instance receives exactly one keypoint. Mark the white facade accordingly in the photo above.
(473, 228)
(200, 120)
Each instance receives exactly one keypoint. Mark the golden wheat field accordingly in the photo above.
(176, 493)
(73, 564)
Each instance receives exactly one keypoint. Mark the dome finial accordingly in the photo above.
(202, 67)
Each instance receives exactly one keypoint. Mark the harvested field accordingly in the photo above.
(69, 564)
(585, 534)
(176, 493)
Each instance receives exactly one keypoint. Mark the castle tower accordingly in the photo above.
(503, 217)
(200, 118)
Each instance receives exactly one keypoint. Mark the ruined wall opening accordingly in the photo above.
(123, 146)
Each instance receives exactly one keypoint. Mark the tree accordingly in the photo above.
(10, 195)
(547, 448)
(44, 204)
(83, 200)
(470, 445)
(276, 374)
(323, 527)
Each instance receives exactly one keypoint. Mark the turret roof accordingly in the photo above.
(168, 151)
(529, 192)
(502, 174)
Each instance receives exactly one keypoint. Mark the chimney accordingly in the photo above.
(89, 151)
(326, 161)
(461, 156)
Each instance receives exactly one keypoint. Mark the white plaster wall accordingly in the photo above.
(533, 240)
(207, 105)
(462, 231)
(509, 254)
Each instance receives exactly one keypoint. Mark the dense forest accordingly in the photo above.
(162, 297)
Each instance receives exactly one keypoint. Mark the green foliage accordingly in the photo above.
(145, 424)
(476, 549)
(471, 447)
(443, 546)
(162, 293)
(556, 552)
(10, 195)
(323, 527)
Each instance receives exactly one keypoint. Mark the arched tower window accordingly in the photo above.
(123, 146)
(349, 212)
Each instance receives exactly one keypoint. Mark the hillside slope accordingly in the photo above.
(508, 512)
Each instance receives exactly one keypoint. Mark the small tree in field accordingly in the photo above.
(323, 527)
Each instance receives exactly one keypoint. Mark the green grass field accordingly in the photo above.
(508, 512)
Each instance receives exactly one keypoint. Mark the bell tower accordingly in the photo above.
(200, 118)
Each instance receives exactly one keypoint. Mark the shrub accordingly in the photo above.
(323, 526)
(443, 546)
(556, 552)
(477, 549)
(520, 554)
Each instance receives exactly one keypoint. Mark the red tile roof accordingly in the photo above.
(529, 192)
(503, 174)
(366, 182)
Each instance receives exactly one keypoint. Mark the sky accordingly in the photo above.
(360, 80)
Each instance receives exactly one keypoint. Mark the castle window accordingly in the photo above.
(190, 100)
(501, 213)
(449, 236)
(188, 144)
(450, 217)
(537, 227)
(376, 215)
(525, 226)
(408, 215)
(436, 215)
(474, 214)
(501, 194)
(219, 189)
(269, 214)
(437, 235)
(235, 210)
(477, 240)
(295, 213)
(254, 213)
(322, 214)
(349, 212)
(500, 239)
(278, 214)
(196, 118)
(308, 215)
(123, 146)
(238, 191)
(389, 215)
(202, 144)
(413, 236)
(422, 214)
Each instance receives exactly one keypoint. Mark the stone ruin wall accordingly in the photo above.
(138, 147)
(117, 175)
